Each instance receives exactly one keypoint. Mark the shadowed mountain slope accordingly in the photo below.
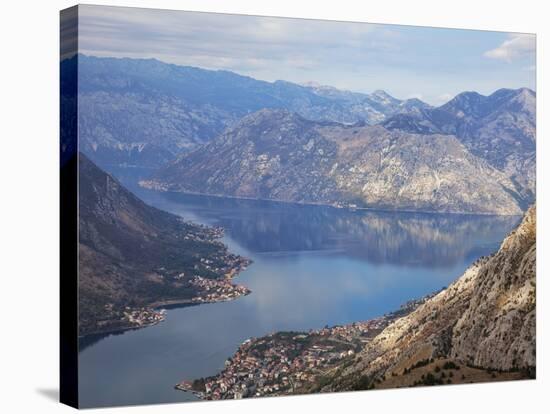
(131, 254)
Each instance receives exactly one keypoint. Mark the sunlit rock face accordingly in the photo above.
(498, 328)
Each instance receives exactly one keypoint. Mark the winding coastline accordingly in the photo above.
(194, 341)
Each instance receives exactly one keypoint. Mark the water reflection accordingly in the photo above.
(412, 239)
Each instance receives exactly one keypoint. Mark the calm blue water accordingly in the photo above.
(313, 266)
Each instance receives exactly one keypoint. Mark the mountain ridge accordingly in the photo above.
(165, 109)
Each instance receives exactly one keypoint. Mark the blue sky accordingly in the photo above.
(406, 61)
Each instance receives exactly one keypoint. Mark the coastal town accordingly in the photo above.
(216, 290)
(205, 290)
(142, 317)
(291, 362)
(126, 318)
(218, 287)
(222, 265)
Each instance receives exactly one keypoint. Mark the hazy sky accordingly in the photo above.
(406, 61)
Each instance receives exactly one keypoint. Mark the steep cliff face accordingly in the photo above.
(486, 319)
(278, 155)
(498, 328)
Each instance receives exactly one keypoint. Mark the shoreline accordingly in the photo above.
(157, 305)
(174, 303)
(190, 302)
(325, 204)
(114, 331)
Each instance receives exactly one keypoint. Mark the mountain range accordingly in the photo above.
(202, 130)
(143, 112)
(279, 155)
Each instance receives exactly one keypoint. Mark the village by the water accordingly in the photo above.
(290, 362)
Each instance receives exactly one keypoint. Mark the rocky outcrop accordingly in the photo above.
(498, 328)
(278, 155)
(485, 319)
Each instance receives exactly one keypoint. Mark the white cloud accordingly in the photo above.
(516, 46)
(403, 60)
(266, 48)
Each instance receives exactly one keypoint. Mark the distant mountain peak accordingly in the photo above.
(414, 100)
(383, 98)
(526, 95)
(476, 105)
(382, 93)
(465, 99)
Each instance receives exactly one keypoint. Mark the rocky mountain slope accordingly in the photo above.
(499, 128)
(279, 155)
(142, 112)
(484, 320)
(131, 254)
